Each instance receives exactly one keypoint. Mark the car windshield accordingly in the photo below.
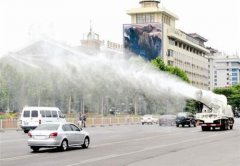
(182, 114)
(168, 116)
(147, 116)
(47, 127)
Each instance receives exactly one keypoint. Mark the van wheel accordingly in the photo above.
(64, 145)
(86, 143)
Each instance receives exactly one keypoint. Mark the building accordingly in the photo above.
(91, 43)
(224, 70)
(153, 32)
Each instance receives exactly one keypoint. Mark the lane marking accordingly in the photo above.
(94, 160)
(100, 145)
(139, 151)
(14, 140)
(139, 139)
(18, 157)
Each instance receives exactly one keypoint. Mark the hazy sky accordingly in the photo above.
(68, 20)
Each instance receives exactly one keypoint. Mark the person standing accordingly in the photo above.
(84, 119)
(80, 120)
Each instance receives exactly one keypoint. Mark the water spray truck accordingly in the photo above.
(215, 112)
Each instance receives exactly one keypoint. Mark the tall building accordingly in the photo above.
(224, 70)
(152, 33)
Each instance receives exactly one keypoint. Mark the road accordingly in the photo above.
(132, 145)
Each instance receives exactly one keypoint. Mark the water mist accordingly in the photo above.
(101, 81)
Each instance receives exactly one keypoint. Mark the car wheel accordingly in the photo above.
(25, 131)
(86, 143)
(177, 125)
(35, 149)
(231, 127)
(64, 145)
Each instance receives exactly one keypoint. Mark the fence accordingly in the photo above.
(91, 122)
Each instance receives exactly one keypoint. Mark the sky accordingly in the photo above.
(23, 21)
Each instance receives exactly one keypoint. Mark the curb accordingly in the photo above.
(100, 125)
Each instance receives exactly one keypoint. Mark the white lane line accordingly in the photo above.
(139, 151)
(14, 140)
(94, 160)
(138, 139)
(18, 157)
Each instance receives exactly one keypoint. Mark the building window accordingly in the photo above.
(170, 63)
(234, 78)
(144, 18)
(234, 74)
(171, 42)
(170, 52)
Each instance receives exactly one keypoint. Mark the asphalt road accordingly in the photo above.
(132, 145)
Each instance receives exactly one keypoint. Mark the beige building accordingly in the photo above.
(186, 51)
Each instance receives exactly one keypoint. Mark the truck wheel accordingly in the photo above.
(203, 128)
(222, 127)
(227, 125)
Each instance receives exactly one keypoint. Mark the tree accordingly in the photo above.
(159, 64)
(232, 94)
(191, 105)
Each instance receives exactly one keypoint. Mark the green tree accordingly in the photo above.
(191, 105)
(232, 94)
(159, 64)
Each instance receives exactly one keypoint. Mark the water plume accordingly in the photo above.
(111, 79)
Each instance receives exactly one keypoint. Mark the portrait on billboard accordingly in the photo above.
(144, 40)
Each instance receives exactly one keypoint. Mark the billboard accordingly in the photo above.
(144, 40)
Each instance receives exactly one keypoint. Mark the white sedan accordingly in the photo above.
(149, 119)
(60, 135)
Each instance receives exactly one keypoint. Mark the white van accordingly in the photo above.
(31, 117)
